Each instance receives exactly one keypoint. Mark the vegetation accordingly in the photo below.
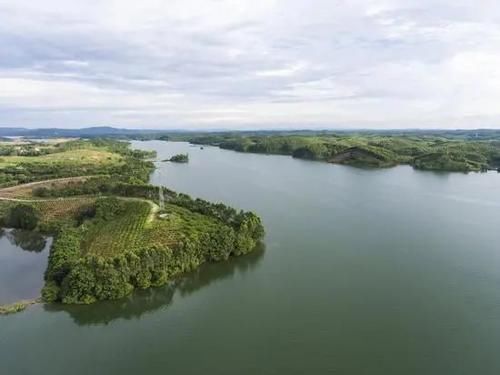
(22, 216)
(179, 158)
(15, 307)
(117, 225)
(369, 150)
(110, 236)
(35, 162)
(118, 250)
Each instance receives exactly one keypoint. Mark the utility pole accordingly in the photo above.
(161, 198)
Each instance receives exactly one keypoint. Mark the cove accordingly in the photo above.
(387, 271)
(23, 260)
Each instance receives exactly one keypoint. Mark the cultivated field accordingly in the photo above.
(123, 232)
(63, 209)
(78, 156)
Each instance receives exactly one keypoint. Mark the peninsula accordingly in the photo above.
(113, 232)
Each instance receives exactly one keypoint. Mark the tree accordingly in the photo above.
(23, 216)
(179, 158)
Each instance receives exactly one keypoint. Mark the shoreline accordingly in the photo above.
(18, 306)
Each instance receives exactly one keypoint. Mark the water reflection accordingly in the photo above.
(23, 260)
(150, 300)
(25, 239)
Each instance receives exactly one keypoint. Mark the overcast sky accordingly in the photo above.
(250, 64)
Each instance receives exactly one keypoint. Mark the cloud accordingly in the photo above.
(259, 63)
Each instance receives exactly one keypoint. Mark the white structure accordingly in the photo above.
(161, 198)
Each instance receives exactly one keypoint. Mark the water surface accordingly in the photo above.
(390, 271)
(23, 260)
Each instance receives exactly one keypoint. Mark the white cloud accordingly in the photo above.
(286, 71)
(260, 63)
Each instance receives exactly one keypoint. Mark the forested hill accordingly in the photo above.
(90, 132)
(442, 150)
(178, 134)
(428, 152)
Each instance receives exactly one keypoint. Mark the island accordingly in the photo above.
(113, 232)
(179, 158)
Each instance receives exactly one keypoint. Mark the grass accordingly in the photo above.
(77, 156)
(35, 162)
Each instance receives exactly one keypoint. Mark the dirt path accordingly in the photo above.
(6, 194)
(154, 207)
(154, 210)
(19, 190)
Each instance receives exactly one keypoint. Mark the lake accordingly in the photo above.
(23, 260)
(389, 271)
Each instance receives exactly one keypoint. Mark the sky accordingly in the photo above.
(250, 64)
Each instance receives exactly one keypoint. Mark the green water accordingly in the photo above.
(23, 260)
(364, 272)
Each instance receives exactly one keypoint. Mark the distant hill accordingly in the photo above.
(186, 134)
(91, 132)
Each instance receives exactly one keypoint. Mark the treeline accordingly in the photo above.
(32, 149)
(111, 145)
(73, 277)
(364, 150)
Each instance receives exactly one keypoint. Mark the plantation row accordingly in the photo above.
(111, 233)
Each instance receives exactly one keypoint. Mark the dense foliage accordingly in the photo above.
(22, 216)
(179, 158)
(369, 150)
(82, 269)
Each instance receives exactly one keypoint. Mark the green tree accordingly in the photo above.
(23, 216)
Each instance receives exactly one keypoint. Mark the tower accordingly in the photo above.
(161, 198)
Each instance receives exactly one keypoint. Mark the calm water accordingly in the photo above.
(364, 272)
(23, 260)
